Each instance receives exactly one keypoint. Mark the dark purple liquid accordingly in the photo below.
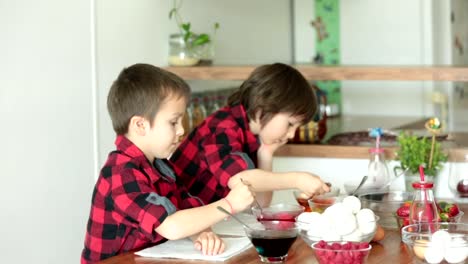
(272, 247)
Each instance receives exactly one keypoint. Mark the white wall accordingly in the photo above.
(46, 108)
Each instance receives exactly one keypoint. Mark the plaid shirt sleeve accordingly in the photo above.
(137, 202)
(224, 155)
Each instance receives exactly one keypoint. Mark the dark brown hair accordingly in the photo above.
(276, 88)
(139, 91)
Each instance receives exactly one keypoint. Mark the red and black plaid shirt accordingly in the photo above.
(217, 149)
(131, 198)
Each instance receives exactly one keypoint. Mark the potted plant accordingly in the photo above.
(414, 151)
(188, 48)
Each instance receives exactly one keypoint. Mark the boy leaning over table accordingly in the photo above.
(135, 204)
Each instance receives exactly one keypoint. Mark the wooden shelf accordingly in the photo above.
(341, 73)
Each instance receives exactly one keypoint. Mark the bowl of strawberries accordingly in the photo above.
(448, 212)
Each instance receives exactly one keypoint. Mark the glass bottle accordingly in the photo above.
(424, 207)
(198, 112)
(458, 178)
(181, 52)
(377, 169)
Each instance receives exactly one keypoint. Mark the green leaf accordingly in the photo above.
(172, 12)
(201, 39)
(216, 25)
(186, 27)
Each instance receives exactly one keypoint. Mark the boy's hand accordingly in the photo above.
(311, 185)
(267, 150)
(209, 244)
(240, 196)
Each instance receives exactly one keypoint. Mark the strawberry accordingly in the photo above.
(453, 210)
(444, 217)
(404, 210)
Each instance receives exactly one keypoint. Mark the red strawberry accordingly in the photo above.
(403, 211)
(453, 210)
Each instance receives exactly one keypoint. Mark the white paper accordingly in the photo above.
(230, 227)
(184, 249)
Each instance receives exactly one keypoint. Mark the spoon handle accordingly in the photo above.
(233, 216)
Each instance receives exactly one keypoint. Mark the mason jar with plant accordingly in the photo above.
(188, 48)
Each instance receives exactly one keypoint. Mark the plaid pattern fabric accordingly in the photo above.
(130, 199)
(217, 149)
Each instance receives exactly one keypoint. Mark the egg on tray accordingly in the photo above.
(342, 221)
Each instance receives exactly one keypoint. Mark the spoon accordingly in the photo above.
(363, 180)
(255, 199)
(233, 216)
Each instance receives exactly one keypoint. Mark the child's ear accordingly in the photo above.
(138, 125)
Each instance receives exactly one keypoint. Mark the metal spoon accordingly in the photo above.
(233, 216)
(255, 199)
(363, 180)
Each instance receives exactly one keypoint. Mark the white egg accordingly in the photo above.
(353, 203)
(354, 236)
(456, 254)
(331, 235)
(365, 215)
(367, 227)
(308, 217)
(434, 254)
(336, 210)
(441, 237)
(346, 224)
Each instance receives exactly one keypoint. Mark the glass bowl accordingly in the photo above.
(385, 204)
(404, 221)
(317, 231)
(340, 252)
(436, 242)
(320, 203)
(278, 212)
(272, 244)
(334, 191)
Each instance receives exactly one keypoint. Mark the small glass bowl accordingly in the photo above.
(419, 240)
(310, 239)
(338, 252)
(279, 211)
(334, 191)
(320, 203)
(404, 221)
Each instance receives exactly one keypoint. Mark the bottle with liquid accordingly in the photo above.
(198, 112)
(377, 169)
(424, 207)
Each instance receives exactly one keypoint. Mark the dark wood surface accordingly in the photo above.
(389, 250)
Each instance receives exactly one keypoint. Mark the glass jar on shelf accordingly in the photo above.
(377, 168)
(458, 178)
(182, 52)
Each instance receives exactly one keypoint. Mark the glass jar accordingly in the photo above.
(424, 208)
(377, 169)
(458, 178)
(181, 52)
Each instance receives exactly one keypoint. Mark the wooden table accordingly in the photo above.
(389, 250)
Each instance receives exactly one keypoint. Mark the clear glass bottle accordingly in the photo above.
(181, 52)
(424, 207)
(198, 112)
(377, 169)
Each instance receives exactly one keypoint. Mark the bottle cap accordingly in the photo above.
(423, 185)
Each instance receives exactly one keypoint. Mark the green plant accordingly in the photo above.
(414, 150)
(190, 38)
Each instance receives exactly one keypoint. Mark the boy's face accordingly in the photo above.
(279, 129)
(164, 137)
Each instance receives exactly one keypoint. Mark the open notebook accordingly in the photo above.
(231, 232)
(183, 249)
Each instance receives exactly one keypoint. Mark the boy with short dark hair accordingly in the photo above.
(135, 204)
(238, 141)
